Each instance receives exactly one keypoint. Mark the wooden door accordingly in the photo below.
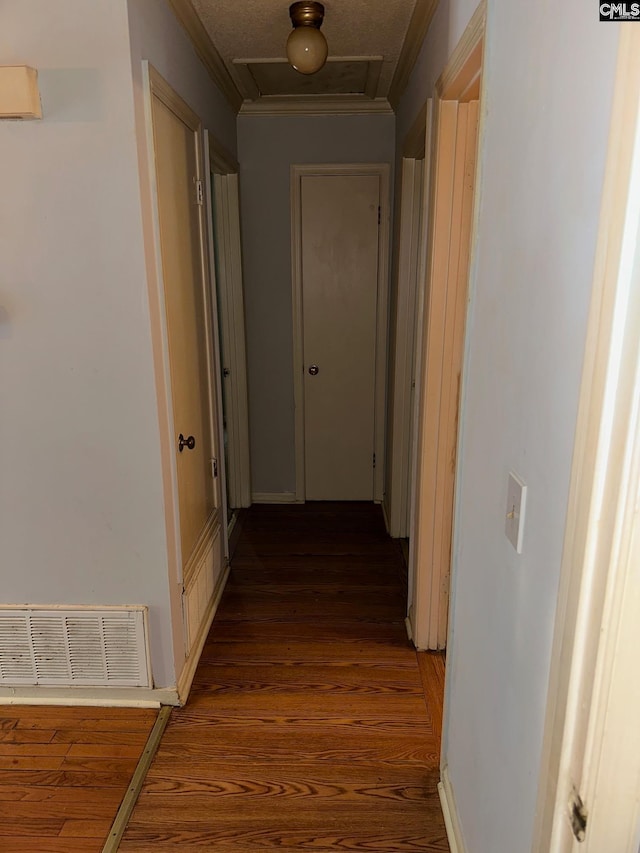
(339, 256)
(180, 236)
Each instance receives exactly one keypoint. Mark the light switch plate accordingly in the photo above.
(516, 505)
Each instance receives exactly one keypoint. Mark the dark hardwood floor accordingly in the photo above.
(63, 774)
(311, 724)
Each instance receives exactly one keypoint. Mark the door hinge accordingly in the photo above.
(379, 214)
(199, 192)
(214, 468)
(374, 460)
(578, 815)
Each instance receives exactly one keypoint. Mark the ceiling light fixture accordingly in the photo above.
(307, 48)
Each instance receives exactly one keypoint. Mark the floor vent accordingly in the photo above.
(74, 647)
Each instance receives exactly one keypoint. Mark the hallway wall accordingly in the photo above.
(81, 517)
(545, 119)
(81, 494)
(156, 35)
(267, 147)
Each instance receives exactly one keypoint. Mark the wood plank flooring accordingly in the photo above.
(63, 774)
(308, 727)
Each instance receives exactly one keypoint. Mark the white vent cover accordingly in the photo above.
(74, 647)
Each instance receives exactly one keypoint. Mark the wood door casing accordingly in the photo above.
(442, 357)
(339, 249)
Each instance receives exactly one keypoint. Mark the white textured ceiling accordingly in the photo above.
(258, 29)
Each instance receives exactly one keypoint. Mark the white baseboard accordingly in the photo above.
(273, 498)
(90, 697)
(450, 812)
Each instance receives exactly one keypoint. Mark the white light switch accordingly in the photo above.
(516, 504)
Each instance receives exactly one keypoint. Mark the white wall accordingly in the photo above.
(81, 515)
(267, 147)
(548, 85)
(81, 493)
(157, 36)
(447, 26)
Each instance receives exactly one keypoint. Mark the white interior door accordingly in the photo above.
(402, 388)
(339, 260)
(228, 264)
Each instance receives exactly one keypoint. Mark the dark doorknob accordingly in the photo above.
(314, 370)
(183, 442)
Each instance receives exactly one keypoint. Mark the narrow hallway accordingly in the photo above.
(307, 727)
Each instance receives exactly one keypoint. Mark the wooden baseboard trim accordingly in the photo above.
(450, 813)
(88, 697)
(189, 669)
(133, 791)
(273, 498)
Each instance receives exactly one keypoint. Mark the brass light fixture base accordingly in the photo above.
(307, 47)
(306, 13)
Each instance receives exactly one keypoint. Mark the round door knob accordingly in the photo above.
(314, 370)
(183, 442)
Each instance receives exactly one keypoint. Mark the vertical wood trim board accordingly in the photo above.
(451, 235)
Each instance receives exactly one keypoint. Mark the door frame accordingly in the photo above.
(382, 170)
(184, 658)
(452, 223)
(408, 276)
(591, 742)
(224, 170)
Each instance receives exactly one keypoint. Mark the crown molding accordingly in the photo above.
(416, 32)
(206, 51)
(316, 105)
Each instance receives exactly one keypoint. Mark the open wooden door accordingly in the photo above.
(188, 340)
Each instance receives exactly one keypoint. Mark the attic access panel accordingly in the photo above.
(340, 76)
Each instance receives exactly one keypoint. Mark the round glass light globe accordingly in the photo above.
(307, 49)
